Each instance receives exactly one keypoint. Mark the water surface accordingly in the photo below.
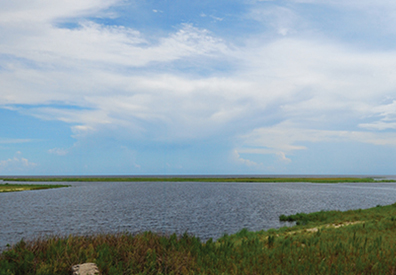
(207, 210)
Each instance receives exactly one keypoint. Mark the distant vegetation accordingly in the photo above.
(331, 242)
(203, 179)
(8, 187)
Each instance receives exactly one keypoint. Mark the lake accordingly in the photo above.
(207, 210)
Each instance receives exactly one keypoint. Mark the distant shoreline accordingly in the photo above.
(313, 179)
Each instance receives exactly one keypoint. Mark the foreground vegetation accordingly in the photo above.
(203, 179)
(332, 242)
(7, 187)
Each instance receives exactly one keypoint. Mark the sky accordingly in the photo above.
(161, 87)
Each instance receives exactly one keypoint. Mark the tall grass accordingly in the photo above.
(366, 244)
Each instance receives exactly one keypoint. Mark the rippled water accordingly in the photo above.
(207, 210)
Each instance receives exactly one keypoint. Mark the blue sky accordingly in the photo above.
(197, 87)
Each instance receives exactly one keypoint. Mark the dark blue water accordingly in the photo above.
(207, 210)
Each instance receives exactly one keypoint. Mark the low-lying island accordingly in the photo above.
(13, 187)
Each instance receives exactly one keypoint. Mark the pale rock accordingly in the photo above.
(85, 269)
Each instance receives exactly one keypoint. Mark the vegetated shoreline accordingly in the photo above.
(197, 179)
(7, 187)
(325, 242)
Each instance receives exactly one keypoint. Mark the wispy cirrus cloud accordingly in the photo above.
(12, 141)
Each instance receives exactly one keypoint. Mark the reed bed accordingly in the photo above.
(333, 242)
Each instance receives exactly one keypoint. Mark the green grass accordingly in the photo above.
(333, 242)
(7, 187)
(203, 179)
(327, 217)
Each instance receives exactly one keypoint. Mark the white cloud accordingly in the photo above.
(378, 125)
(309, 81)
(243, 161)
(75, 65)
(92, 45)
(387, 115)
(16, 164)
(282, 157)
(285, 138)
(58, 151)
(20, 11)
(82, 130)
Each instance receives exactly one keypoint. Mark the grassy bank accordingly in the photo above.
(203, 179)
(7, 187)
(332, 242)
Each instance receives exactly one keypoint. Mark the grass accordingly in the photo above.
(203, 179)
(331, 242)
(7, 187)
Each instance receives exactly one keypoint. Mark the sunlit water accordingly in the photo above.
(207, 210)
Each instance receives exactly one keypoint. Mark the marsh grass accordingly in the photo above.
(203, 179)
(7, 187)
(365, 244)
